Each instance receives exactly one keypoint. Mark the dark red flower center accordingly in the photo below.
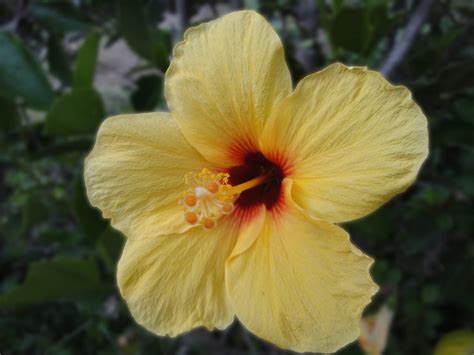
(268, 193)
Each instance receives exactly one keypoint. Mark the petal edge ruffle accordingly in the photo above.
(354, 140)
(225, 79)
(135, 173)
(301, 285)
(175, 283)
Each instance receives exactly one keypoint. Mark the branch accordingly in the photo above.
(400, 49)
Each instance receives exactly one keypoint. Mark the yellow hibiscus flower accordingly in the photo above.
(229, 201)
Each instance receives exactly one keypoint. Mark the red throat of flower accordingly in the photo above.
(240, 191)
(269, 192)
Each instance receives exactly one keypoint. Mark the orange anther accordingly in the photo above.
(208, 223)
(228, 208)
(213, 187)
(190, 200)
(191, 217)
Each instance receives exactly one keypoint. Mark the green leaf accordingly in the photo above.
(60, 17)
(375, 227)
(62, 278)
(34, 211)
(71, 145)
(434, 196)
(84, 69)
(430, 294)
(89, 218)
(457, 75)
(379, 24)
(21, 75)
(58, 61)
(465, 110)
(350, 29)
(161, 44)
(109, 247)
(134, 26)
(78, 112)
(148, 93)
(338, 5)
(9, 116)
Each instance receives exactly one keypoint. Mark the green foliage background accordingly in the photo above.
(58, 257)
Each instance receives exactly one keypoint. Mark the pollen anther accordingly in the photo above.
(191, 217)
(190, 200)
(213, 187)
(208, 223)
(228, 208)
(207, 198)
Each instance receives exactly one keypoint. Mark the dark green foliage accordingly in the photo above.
(77, 112)
(148, 93)
(88, 218)
(59, 16)
(58, 257)
(9, 116)
(21, 75)
(84, 68)
(355, 19)
(134, 26)
(58, 61)
(57, 279)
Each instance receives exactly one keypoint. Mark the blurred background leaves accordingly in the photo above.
(66, 65)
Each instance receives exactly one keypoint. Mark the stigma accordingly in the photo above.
(209, 196)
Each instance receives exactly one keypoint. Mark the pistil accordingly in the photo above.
(210, 196)
(259, 180)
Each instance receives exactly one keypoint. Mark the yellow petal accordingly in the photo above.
(135, 173)
(174, 283)
(250, 228)
(301, 285)
(354, 141)
(225, 79)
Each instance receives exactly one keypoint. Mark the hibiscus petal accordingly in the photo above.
(301, 285)
(225, 79)
(135, 173)
(251, 224)
(174, 283)
(354, 140)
